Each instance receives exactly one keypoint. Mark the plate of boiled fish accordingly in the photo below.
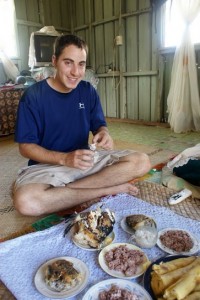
(143, 230)
(131, 223)
(91, 230)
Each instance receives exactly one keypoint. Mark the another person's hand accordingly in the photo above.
(103, 139)
(79, 159)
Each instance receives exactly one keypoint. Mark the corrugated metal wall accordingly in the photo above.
(128, 73)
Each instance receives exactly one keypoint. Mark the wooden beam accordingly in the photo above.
(115, 18)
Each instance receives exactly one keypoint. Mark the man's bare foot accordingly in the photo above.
(128, 188)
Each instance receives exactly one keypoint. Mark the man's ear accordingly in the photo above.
(54, 60)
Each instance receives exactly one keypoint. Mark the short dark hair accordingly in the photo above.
(66, 40)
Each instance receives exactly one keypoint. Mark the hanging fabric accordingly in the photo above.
(10, 68)
(8, 45)
(183, 100)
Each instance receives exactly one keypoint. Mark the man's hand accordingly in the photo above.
(103, 139)
(79, 159)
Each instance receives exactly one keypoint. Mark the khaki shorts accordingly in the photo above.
(57, 175)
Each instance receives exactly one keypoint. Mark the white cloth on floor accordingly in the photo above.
(21, 257)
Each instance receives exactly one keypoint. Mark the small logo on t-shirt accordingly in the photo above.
(81, 105)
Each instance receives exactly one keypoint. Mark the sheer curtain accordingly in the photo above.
(8, 45)
(183, 100)
(8, 41)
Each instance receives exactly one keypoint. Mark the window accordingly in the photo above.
(173, 26)
(8, 41)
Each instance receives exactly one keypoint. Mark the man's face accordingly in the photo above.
(70, 67)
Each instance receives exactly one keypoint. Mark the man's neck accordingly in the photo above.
(56, 85)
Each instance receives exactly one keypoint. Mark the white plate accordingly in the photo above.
(103, 244)
(43, 288)
(119, 274)
(194, 249)
(126, 228)
(93, 292)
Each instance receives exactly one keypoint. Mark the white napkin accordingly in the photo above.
(21, 257)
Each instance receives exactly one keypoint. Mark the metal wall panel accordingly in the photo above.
(132, 98)
(131, 44)
(102, 93)
(57, 13)
(33, 13)
(127, 82)
(155, 46)
(80, 13)
(168, 62)
(65, 8)
(131, 62)
(20, 9)
(144, 40)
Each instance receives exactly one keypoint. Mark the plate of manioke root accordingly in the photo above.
(174, 277)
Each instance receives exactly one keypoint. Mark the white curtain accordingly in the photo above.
(9, 67)
(183, 100)
(7, 38)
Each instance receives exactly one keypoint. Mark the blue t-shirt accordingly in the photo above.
(58, 121)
